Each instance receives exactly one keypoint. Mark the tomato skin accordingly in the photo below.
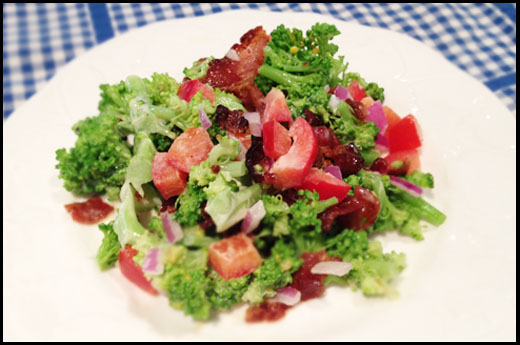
(277, 141)
(276, 107)
(326, 185)
(234, 257)
(132, 271)
(169, 180)
(356, 91)
(411, 155)
(190, 148)
(189, 88)
(404, 135)
(291, 168)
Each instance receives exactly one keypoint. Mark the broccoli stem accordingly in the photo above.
(423, 209)
(288, 79)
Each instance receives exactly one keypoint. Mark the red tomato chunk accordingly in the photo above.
(277, 141)
(234, 257)
(190, 88)
(169, 180)
(91, 211)
(326, 185)
(190, 148)
(404, 135)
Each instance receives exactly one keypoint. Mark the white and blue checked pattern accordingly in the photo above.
(40, 38)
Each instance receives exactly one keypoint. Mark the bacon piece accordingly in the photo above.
(356, 212)
(89, 212)
(266, 311)
(311, 285)
(238, 76)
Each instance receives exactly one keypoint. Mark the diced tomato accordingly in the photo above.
(404, 135)
(132, 271)
(391, 116)
(190, 88)
(169, 180)
(277, 141)
(326, 185)
(190, 148)
(276, 107)
(356, 91)
(234, 257)
(291, 168)
(411, 155)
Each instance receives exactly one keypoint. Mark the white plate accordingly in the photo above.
(460, 283)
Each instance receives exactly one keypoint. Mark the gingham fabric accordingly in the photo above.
(40, 38)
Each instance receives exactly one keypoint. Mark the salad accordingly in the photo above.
(262, 178)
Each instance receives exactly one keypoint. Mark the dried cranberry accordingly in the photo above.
(231, 120)
(380, 165)
(215, 169)
(256, 156)
(312, 119)
(364, 217)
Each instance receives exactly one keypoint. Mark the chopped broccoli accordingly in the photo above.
(198, 69)
(223, 294)
(275, 273)
(98, 161)
(108, 251)
(424, 180)
(372, 89)
(188, 205)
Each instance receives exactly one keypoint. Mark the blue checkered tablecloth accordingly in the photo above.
(41, 38)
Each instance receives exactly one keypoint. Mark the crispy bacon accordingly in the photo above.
(238, 76)
(89, 212)
(311, 285)
(356, 212)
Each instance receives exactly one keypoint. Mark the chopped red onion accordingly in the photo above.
(334, 171)
(255, 124)
(407, 186)
(253, 217)
(333, 103)
(152, 262)
(203, 117)
(288, 296)
(342, 93)
(172, 228)
(377, 115)
(232, 55)
(337, 268)
(383, 150)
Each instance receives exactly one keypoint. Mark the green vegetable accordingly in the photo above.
(98, 161)
(424, 180)
(223, 294)
(275, 273)
(228, 208)
(107, 254)
(348, 128)
(198, 69)
(372, 270)
(372, 89)
(188, 205)
(139, 170)
(127, 225)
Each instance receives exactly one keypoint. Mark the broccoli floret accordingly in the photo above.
(98, 161)
(372, 270)
(198, 69)
(108, 251)
(188, 205)
(275, 273)
(223, 294)
(187, 291)
(161, 142)
(424, 180)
